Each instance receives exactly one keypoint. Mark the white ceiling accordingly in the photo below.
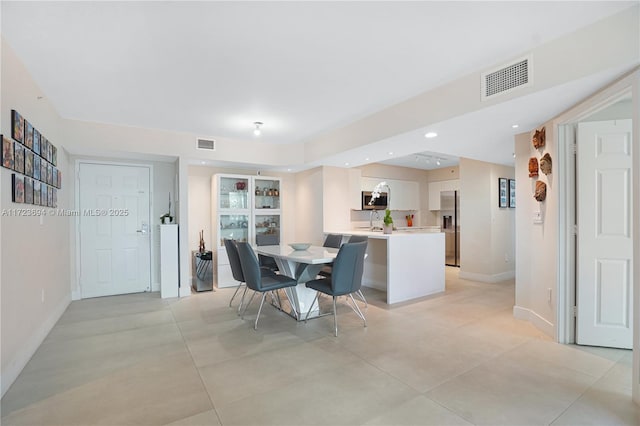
(302, 68)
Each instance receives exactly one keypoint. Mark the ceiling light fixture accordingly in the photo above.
(438, 161)
(514, 126)
(390, 152)
(257, 130)
(366, 159)
(430, 135)
(346, 164)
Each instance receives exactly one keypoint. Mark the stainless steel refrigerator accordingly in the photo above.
(450, 217)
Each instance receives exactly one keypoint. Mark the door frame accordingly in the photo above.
(76, 294)
(567, 261)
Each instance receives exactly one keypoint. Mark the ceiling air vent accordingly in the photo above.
(507, 78)
(207, 144)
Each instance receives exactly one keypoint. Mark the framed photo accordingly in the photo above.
(43, 194)
(17, 126)
(54, 177)
(49, 152)
(36, 141)
(17, 193)
(43, 147)
(59, 179)
(54, 155)
(512, 193)
(36, 167)
(54, 193)
(7, 153)
(503, 201)
(28, 134)
(36, 193)
(28, 190)
(18, 164)
(49, 196)
(28, 163)
(43, 171)
(49, 174)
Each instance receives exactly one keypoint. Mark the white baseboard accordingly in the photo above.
(540, 323)
(15, 366)
(485, 278)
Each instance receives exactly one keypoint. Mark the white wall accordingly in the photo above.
(487, 234)
(309, 206)
(35, 255)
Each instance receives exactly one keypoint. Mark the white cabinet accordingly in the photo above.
(169, 280)
(435, 188)
(244, 207)
(404, 194)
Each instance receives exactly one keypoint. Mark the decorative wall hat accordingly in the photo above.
(541, 191)
(538, 138)
(545, 164)
(533, 167)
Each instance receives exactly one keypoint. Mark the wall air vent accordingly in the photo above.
(206, 144)
(507, 78)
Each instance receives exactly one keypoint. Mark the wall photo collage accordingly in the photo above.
(34, 159)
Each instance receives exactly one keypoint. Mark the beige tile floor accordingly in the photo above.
(458, 358)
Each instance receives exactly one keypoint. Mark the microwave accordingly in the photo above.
(379, 203)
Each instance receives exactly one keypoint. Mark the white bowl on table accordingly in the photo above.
(300, 246)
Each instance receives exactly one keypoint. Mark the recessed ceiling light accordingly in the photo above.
(390, 152)
(438, 161)
(430, 135)
(288, 170)
(514, 155)
(366, 159)
(203, 162)
(514, 126)
(257, 130)
(346, 164)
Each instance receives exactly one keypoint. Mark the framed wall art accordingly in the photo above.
(17, 192)
(512, 193)
(43, 171)
(17, 126)
(43, 194)
(18, 164)
(28, 190)
(36, 167)
(28, 134)
(7, 152)
(36, 141)
(28, 163)
(36, 192)
(503, 201)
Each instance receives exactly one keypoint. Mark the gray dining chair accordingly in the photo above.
(268, 240)
(326, 270)
(257, 280)
(236, 270)
(346, 279)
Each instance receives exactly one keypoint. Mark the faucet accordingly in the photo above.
(371, 218)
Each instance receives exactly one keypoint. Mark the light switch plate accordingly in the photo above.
(537, 216)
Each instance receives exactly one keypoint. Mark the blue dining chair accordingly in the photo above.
(259, 281)
(346, 279)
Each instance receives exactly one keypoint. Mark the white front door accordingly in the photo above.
(114, 229)
(604, 296)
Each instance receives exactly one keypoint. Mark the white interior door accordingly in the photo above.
(114, 229)
(605, 243)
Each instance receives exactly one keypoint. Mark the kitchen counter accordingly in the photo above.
(407, 264)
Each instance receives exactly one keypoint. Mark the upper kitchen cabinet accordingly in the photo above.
(435, 188)
(403, 194)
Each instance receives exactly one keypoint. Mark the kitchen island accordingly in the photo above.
(406, 264)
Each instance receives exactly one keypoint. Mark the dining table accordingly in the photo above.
(303, 266)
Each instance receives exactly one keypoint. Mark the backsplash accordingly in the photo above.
(360, 218)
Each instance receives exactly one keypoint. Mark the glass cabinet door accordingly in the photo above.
(233, 193)
(233, 226)
(267, 194)
(267, 229)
